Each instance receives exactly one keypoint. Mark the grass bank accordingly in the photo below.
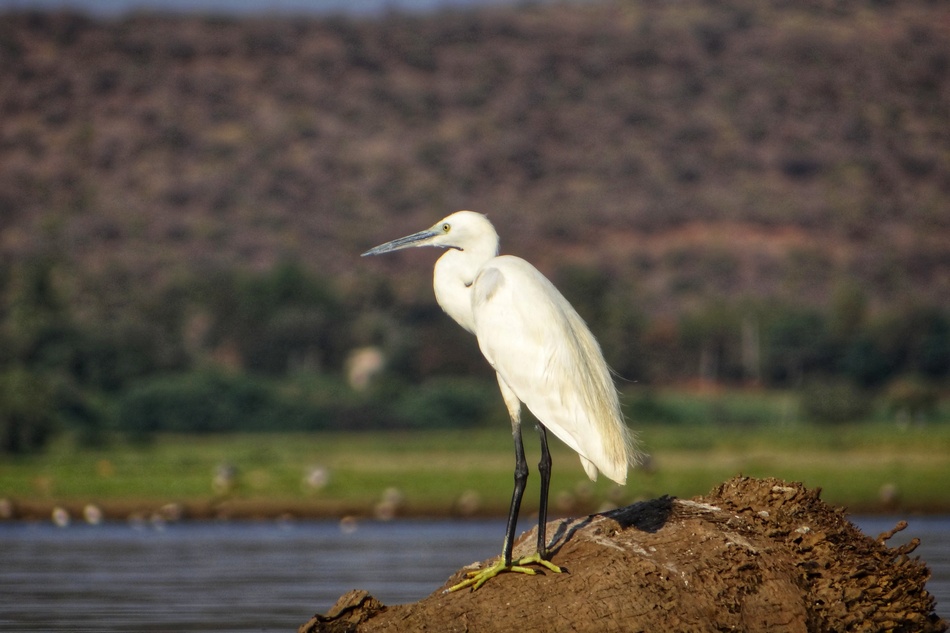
(871, 467)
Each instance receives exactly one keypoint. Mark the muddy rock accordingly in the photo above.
(753, 555)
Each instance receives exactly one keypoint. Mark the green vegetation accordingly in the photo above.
(269, 352)
(433, 470)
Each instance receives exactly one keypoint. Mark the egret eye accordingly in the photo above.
(446, 227)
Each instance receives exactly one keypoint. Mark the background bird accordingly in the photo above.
(543, 354)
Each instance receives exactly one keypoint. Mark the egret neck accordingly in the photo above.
(455, 274)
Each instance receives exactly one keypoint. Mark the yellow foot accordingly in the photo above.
(478, 578)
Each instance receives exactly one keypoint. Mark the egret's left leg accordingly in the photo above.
(544, 469)
(504, 564)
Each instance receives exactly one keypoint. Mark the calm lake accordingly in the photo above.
(268, 576)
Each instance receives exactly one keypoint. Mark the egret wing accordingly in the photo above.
(545, 353)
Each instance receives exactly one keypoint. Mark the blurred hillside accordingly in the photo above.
(736, 190)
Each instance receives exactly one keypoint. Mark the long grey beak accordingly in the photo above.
(416, 239)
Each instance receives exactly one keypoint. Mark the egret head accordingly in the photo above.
(463, 230)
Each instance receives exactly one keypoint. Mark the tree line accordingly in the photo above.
(236, 350)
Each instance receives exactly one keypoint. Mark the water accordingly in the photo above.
(220, 576)
(266, 576)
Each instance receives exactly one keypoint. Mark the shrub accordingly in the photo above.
(645, 406)
(834, 401)
(447, 403)
(279, 321)
(211, 402)
(867, 361)
(795, 343)
(26, 412)
(912, 400)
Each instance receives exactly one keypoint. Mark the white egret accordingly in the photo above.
(543, 354)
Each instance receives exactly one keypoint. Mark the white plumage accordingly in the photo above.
(545, 354)
(542, 351)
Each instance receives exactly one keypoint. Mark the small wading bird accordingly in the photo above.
(543, 354)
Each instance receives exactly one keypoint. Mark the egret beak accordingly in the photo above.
(416, 239)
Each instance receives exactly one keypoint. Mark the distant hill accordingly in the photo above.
(697, 150)
(735, 193)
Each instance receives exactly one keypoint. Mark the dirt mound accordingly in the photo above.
(753, 555)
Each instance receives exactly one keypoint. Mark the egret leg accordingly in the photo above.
(504, 563)
(521, 478)
(544, 469)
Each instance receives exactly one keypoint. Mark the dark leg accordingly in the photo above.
(521, 477)
(504, 564)
(544, 469)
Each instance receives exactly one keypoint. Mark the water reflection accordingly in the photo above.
(264, 576)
